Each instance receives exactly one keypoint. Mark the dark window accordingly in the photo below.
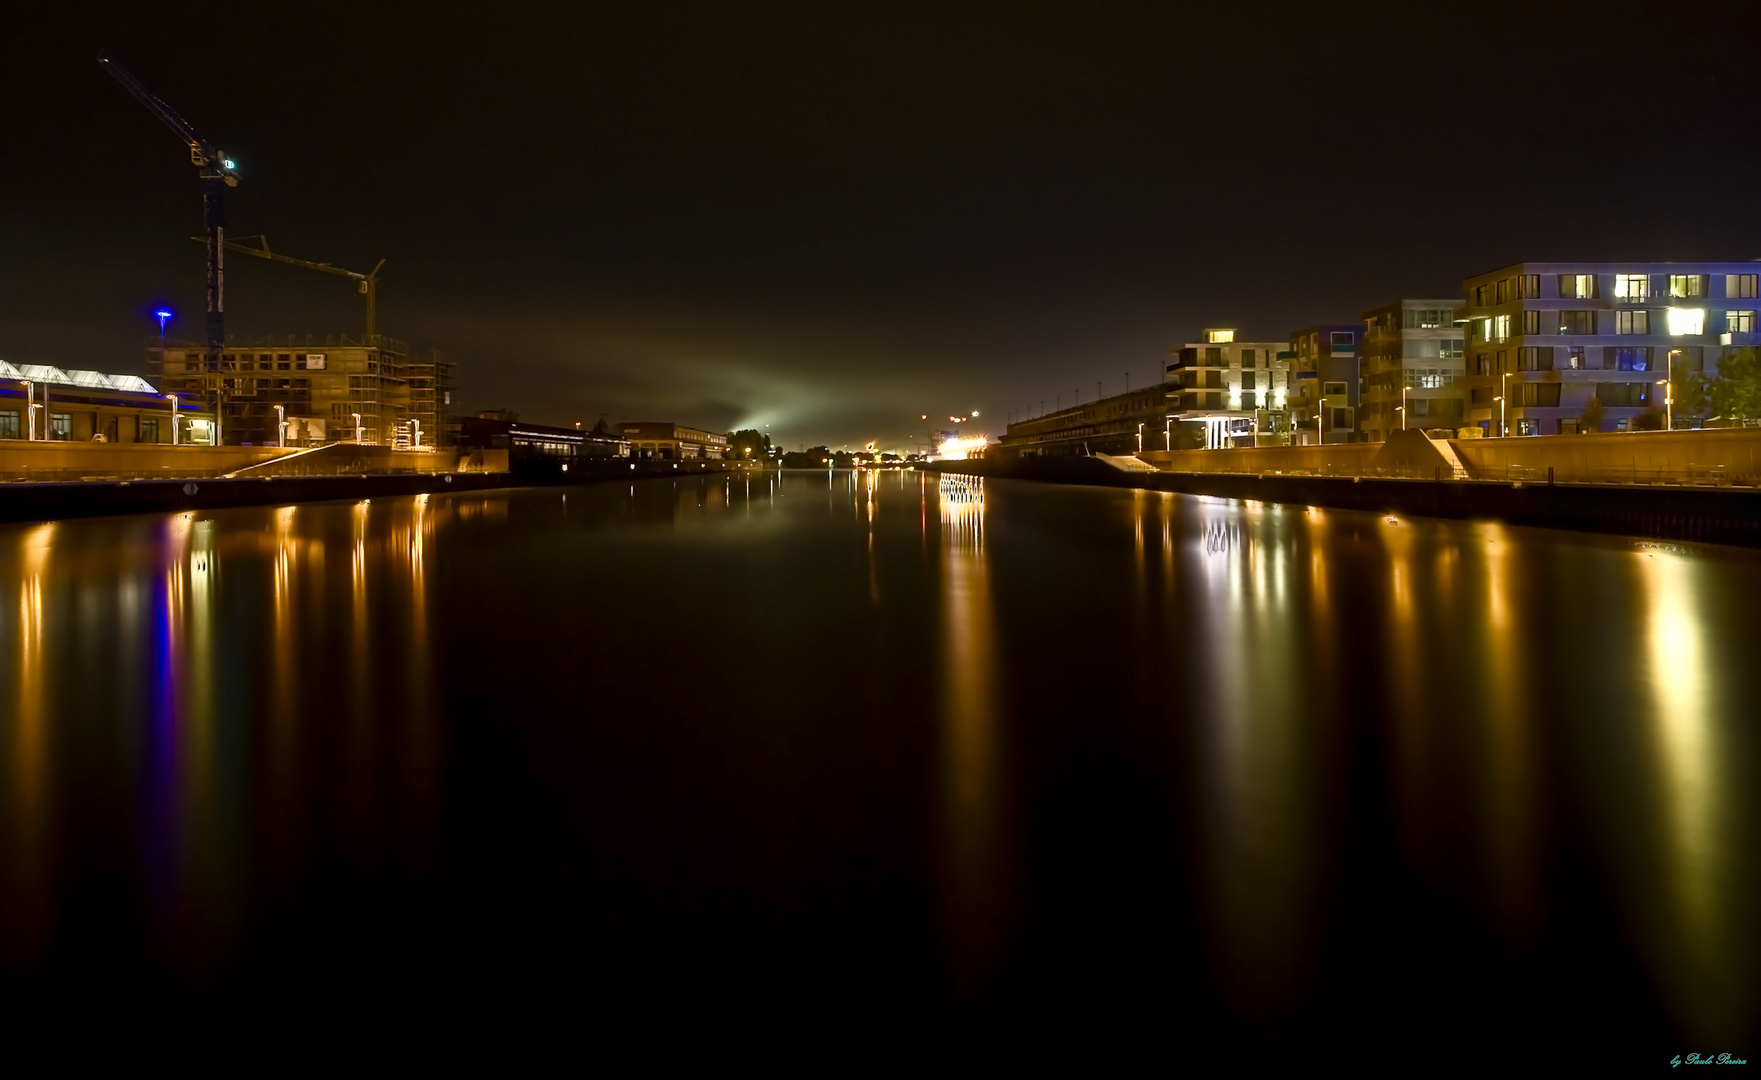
(1247, 358)
(150, 430)
(1632, 322)
(1528, 286)
(1632, 358)
(1213, 355)
(1534, 358)
(1577, 322)
(1740, 286)
(61, 425)
(1248, 399)
(1247, 382)
(1531, 322)
(1503, 361)
(1687, 358)
(1342, 338)
(9, 426)
(1541, 395)
(1629, 395)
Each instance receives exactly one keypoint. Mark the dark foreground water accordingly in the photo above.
(895, 757)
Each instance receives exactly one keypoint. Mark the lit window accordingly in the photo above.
(1687, 286)
(1740, 286)
(1501, 328)
(1739, 322)
(1219, 337)
(1632, 286)
(1687, 321)
(1577, 286)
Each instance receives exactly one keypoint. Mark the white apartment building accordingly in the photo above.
(1223, 392)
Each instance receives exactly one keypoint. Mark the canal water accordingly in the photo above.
(892, 755)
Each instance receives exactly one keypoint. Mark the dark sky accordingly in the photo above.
(830, 218)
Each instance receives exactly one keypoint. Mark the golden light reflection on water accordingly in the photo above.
(1259, 812)
(27, 889)
(970, 768)
(1697, 953)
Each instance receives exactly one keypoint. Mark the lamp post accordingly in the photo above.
(1168, 434)
(357, 417)
(30, 412)
(281, 426)
(173, 399)
(1403, 405)
(1503, 385)
(1669, 390)
(416, 434)
(1140, 438)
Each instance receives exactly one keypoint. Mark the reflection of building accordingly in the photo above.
(1561, 337)
(1326, 382)
(671, 442)
(1233, 393)
(86, 406)
(1412, 359)
(1108, 426)
(395, 394)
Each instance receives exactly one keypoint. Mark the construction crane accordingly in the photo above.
(216, 171)
(368, 282)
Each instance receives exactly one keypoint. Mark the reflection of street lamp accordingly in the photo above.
(416, 432)
(357, 417)
(281, 426)
(1140, 438)
(1168, 434)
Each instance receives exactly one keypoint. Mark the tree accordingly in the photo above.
(1649, 420)
(1735, 392)
(1592, 418)
(748, 445)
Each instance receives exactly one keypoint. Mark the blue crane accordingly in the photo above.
(216, 171)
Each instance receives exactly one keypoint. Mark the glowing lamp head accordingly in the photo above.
(229, 163)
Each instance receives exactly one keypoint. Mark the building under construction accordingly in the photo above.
(326, 389)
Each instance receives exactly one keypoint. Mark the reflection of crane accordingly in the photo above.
(369, 282)
(215, 170)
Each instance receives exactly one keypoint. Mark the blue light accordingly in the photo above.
(162, 313)
(231, 164)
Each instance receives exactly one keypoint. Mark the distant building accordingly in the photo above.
(1548, 339)
(1230, 393)
(38, 401)
(673, 442)
(1412, 359)
(376, 393)
(536, 447)
(1108, 426)
(1326, 383)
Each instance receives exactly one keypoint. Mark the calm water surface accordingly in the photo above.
(1040, 762)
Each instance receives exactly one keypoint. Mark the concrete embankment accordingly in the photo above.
(52, 501)
(1714, 514)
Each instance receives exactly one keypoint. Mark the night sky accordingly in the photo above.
(830, 218)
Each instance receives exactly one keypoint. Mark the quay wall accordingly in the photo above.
(53, 501)
(1724, 513)
(1718, 455)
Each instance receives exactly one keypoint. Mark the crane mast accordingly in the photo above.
(216, 172)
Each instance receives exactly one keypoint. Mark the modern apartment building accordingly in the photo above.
(1326, 383)
(1546, 339)
(334, 390)
(1412, 369)
(1223, 392)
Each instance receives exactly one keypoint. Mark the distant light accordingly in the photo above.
(231, 164)
(975, 412)
(163, 313)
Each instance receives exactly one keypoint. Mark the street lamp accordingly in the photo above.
(1669, 389)
(30, 413)
(1403, 406)
(1140, 438)
(281, 426)
(173, 399)
(1504, 385)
